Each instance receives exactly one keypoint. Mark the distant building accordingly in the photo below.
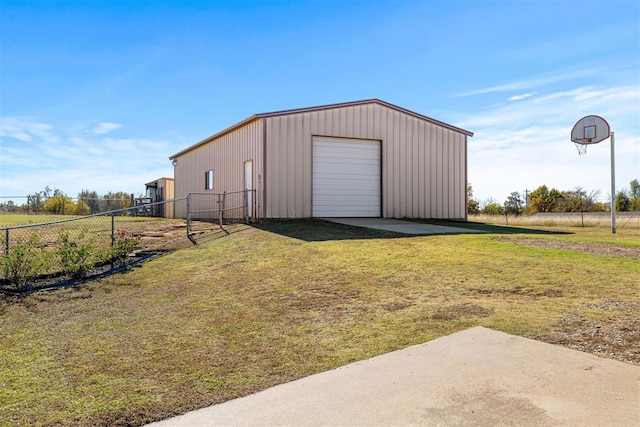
(160, 190)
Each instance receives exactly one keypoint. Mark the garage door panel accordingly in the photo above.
(346, 177)
(339, 166)
(364, 179)
(332, 187)
(350, 154)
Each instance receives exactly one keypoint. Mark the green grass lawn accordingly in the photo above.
(8, 220)
(273, 303)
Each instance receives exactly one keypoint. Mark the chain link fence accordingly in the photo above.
(64, 252)
(38, 256)
(218, 208)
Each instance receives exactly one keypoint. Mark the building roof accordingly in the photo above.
(154, 183)
(319, 108)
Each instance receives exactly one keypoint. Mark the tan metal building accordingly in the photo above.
(161, 190)
(355, 159)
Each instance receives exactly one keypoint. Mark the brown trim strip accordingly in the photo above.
(264, 168)
(466, 180)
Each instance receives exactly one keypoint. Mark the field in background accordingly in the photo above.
(8, 220)
(283, 300)
(589, 219)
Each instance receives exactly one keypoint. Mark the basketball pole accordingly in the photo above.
(592, 130)
(613, 186)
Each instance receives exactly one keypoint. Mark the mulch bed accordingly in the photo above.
(59, 280)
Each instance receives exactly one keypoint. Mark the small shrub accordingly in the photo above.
(25, 261)
(124, 243)
(82, 208)
(76, 256)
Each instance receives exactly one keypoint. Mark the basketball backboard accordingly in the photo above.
(590, 130)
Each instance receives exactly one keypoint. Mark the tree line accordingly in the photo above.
(544, 199)
(55, 201)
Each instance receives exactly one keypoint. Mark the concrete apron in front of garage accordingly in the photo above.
(476, 377)
(399, 226)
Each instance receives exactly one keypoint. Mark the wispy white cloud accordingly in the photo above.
(93, 127)
(532, 82)
(106, 127)
(34, 155)
(25, 130)
(520, 97)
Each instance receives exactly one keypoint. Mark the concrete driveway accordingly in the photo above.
(477, 377)
(399, 226)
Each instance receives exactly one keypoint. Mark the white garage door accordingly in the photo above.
(346, 177)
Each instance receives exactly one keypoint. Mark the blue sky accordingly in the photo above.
(98, 94)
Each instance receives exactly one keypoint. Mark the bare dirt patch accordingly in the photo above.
(587, 247)
(520, 292)
(453, 312)
(614, 334)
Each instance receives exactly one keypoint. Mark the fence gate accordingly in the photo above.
(219, 208)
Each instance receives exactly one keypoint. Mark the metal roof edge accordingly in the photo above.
(362, 102)
(423, 117)
(319, 108)
(216, 135)
(156, 180)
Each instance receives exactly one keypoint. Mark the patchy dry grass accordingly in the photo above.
(600, 220)
(267, 305)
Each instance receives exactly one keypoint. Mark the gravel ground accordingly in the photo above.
(592, 248)
(616, 333)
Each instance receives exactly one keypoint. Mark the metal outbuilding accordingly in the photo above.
(161, 190)
(365, 158)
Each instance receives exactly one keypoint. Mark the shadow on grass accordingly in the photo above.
(490, 228)
(209, 231)
(315, 230)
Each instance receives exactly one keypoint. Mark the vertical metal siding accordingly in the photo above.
(169, 193)
(423, 164)
(225, 156)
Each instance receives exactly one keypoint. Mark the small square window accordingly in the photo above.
(208, 180)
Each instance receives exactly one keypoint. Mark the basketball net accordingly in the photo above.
(582, 148)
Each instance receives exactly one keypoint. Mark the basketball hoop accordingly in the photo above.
(592, 130)
(589, 130)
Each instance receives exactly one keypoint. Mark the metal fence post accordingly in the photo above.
(189, 234)
(188, 214)
(113, 228)
(6, 249)
(245, 205)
